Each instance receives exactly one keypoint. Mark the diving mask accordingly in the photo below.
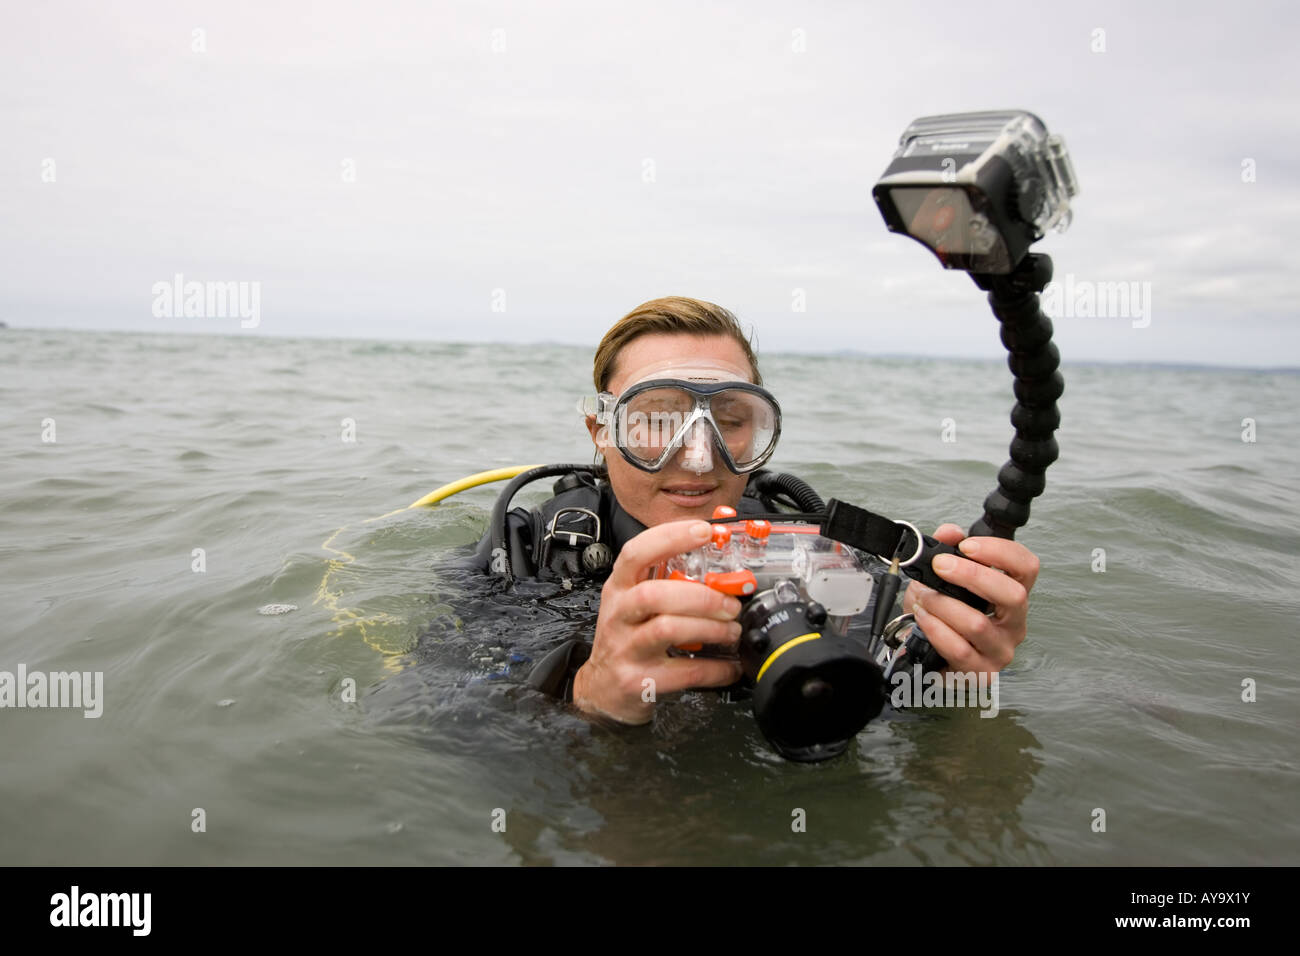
(700, 408)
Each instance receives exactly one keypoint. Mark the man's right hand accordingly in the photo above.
(640, 619)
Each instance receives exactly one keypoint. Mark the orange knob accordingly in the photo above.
(738, 583)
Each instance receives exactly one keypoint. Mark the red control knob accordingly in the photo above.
(724, 511)
(721, 536)
(758, 529)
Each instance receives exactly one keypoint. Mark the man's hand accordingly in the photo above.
(968, 640)
(641, 619)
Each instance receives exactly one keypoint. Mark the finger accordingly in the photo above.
(978, 641)
(687, 598)
(1002, 590)
(656, 544)
(910, 593)
(683, 673)
(653, 638)
(1006, 555)
(960, 653)
(914, 590)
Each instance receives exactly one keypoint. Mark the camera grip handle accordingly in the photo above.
(922, 571)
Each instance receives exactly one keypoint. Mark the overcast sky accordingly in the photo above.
(381, 168)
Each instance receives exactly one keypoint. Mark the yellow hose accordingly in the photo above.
(471, 481)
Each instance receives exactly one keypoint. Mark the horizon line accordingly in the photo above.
(552, 343)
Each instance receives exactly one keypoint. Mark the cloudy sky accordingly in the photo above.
(531, 171)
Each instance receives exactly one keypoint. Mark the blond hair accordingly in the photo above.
(671, 315)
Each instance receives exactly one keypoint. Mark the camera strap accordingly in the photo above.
(887, 538)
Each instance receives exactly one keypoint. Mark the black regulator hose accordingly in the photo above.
(770, 483)
(1034, 361)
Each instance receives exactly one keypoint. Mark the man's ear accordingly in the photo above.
(599, 433)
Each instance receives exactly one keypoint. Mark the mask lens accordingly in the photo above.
(747, 423)
(650, 420)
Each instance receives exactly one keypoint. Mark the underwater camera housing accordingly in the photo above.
(814, 686)
(977, 189)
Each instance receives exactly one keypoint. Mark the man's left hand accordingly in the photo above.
(968, 640)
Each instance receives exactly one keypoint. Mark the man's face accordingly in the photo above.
(673, 493)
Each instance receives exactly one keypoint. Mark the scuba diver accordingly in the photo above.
(684, 426)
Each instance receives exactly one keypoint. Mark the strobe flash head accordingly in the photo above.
(978, 189)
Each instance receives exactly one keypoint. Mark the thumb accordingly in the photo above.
(949, 534)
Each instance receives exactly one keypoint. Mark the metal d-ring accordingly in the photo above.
(920, 542)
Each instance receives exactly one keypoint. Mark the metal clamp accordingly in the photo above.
(575, 538)
(890, 634)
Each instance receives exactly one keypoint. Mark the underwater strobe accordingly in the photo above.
(978, 189)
